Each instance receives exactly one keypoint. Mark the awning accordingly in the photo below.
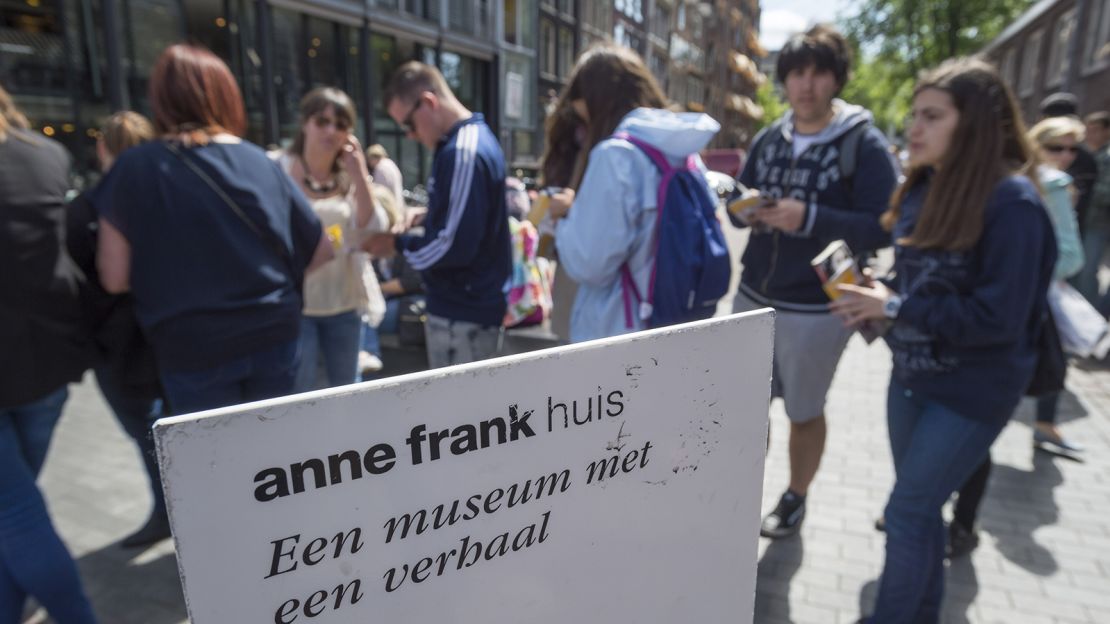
(743, 105)
(746, 67)
(753, 44)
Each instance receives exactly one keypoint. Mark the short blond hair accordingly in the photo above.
(124, 130)
(1054, 128)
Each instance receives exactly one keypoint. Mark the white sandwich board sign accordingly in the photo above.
(613, 481)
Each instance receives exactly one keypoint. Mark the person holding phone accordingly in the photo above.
(328, 164)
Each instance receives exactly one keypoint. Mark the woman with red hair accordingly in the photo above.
(213, 240)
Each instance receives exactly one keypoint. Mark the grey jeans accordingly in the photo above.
(458, 342)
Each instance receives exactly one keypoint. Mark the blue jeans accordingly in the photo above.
(136, 414)
(371, 341)
(335, 340)
(935, 450)
(33, 559)
(261, 375)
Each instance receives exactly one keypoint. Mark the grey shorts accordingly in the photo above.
(807, 349)
(458, 342)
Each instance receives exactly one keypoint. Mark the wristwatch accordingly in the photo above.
(891, 306)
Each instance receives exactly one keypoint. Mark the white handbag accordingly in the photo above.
(1083, 331)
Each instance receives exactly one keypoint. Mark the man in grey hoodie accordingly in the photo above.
(827, 175)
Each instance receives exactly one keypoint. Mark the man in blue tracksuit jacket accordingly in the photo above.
(464, 254)
(827, 175)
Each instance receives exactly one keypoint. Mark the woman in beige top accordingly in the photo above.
(327, 162)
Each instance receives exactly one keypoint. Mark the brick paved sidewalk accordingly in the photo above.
(1045, 553)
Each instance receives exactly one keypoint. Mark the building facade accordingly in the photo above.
(70, 63)
(1057, 45)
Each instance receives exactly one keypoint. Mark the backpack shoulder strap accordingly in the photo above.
(849, 149)
(667, 173)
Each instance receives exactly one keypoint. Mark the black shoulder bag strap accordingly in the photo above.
(268, 237)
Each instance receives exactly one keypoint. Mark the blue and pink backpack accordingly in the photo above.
(690, 263)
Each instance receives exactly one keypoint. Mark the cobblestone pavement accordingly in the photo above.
(1044, 557)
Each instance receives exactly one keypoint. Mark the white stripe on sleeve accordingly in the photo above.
(466, 148)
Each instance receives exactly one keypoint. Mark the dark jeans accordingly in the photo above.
(265, 374)
(136, 414)
(33, 559)
(935, 450)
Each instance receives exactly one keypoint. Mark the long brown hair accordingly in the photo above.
(194, 96)
(988, 144)
(316, 102)
(613, 81)
(562, 153)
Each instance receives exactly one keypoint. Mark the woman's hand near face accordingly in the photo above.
(560, 203)
(353, 159)
(860, 303)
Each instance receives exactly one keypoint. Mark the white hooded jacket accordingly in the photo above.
(612, 219)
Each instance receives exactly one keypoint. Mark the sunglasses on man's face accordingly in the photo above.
(407, 124)
(323, 121)
(1057, 149)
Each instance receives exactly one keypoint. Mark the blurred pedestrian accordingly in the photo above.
(390, 193)
(386, 173)
(463, 253)
(608, 225)
(125, 369)
(1096, 228)
(974, 254)
(44, 348)
(213, 240)
(1083, 169)
(562, 166)
(327, 163)
(1057, 140)
(825, 174)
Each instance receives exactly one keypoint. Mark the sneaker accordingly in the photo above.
(1054, 444)
(961, 540)
(368, 363)
(787, 517)
(880, 524)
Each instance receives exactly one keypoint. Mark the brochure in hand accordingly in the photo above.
(835, 266)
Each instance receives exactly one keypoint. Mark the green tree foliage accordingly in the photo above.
(899, 38)
(772, 102)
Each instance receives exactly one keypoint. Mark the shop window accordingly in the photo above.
(1029, 63)
(228, 29)
(566, 52)
(63, 96)
(510, 22)
(1009, 61)
(1058, 61)
(548, 48)
(1096, 46)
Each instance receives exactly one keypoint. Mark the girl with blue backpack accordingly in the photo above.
(636, 266)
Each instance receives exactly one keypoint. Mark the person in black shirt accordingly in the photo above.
(125, 368)
(1084, 169)
(43, 349)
